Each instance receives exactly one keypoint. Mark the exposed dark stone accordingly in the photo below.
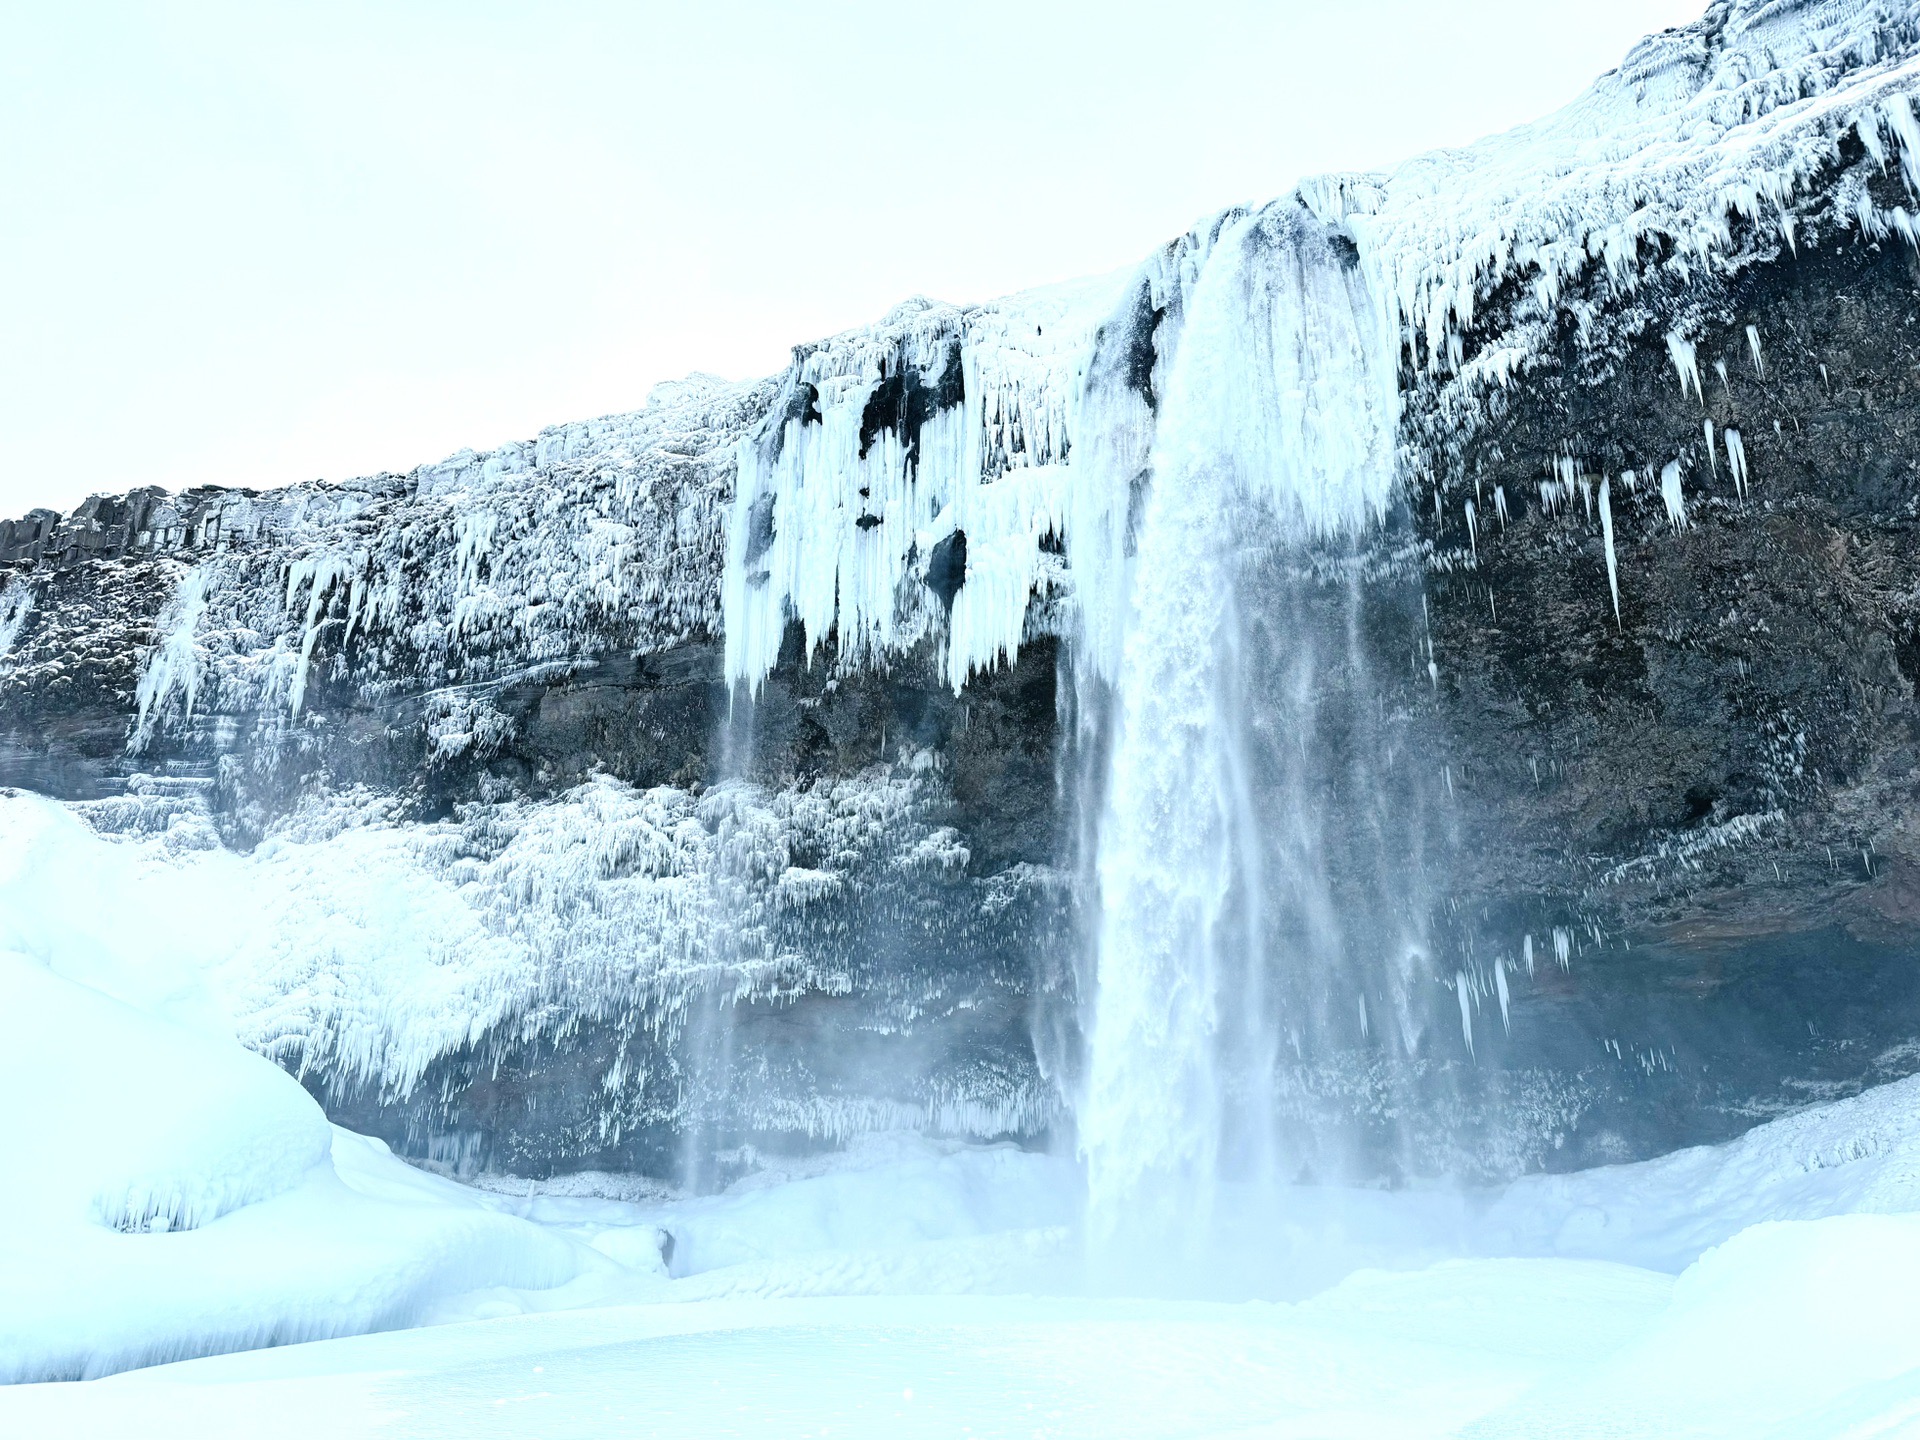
(905, 399)
(1142, 347)
(947, 567)
(759, 528)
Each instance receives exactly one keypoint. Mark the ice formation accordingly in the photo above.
(1736, 460)
(1606, 531)
(1704, 139)
(936, 439)
(1672, 496)
(350, 945)
(486, 566)
(1685, 363)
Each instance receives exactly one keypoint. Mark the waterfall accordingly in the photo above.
(1221, 924)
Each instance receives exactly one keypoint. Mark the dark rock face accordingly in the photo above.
(1714, 796)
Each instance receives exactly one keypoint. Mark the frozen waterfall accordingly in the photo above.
(1221, 934)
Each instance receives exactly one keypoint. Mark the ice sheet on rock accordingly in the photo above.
(16, 599)
(1724, 120)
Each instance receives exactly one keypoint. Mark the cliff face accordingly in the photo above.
(723, 775)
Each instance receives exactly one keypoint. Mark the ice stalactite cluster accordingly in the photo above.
(177, 664)
(907, 481)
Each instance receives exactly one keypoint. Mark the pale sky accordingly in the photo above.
(254, 243)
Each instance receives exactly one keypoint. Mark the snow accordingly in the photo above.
(166, 1193)
(1771, 1287)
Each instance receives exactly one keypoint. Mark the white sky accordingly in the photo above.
(254, 243)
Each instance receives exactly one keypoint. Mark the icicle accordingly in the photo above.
(1473, 537)
(1736, 459)
(1713, 456)
(1632, 480)
(1671, 494)
(1563, 947)
(1466, 1010)
(1363, 1017)
(1686, 364)
(1500, 986)
(1720, 369)
(1500, 504)
(1753, 345)
(1526, 943)
(1586, 496)
(1606, 530)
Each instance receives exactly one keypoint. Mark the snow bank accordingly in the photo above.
(1795, 1332)
(165, 1192)
(1787, 1330)
(1856, 1156)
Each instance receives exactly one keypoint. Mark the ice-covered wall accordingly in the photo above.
(908, 479)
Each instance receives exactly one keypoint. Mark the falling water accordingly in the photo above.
(1224, 929)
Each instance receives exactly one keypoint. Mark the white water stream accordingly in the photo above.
(1276, 429)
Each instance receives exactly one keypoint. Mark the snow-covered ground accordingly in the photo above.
(167, 1194)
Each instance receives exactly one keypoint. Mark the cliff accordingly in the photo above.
(722, 775)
